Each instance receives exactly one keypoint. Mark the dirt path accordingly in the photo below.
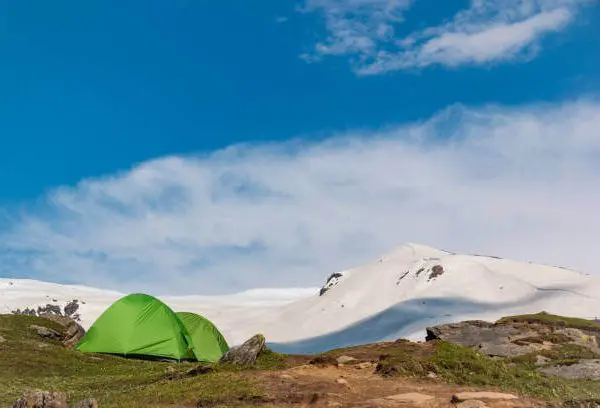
(349, 386)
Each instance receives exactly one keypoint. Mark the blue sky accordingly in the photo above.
(98, 96)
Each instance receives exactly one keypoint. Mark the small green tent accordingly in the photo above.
(209, 343)
(139, 325)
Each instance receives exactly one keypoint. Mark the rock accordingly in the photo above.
(199, 370)
(406, 399)
(73, 330)
(71, 307)
(323, 360)
(46, 333)
(333, 280)
(365, 365)
(42, 399)
(432, 375)
(286, 377)
(2, 339)
(87, 403)
(414, 397)
(171, 373)
(583, 403)
(472, 404)
(345, 359)
(488, 338)
(541, 360)
(342, 381)
(482, 395)
(586, 369)
(247, 353)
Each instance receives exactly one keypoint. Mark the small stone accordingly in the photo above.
(432, 375)
(2, 339)
(286, 377)
(486, 395)
(198, 370)
(87, 403)
(541, 360)
(472, 404)
(342, 381)
(171, 373)
(345, 359)
(406, 399)
(414, 397)
(365, 365)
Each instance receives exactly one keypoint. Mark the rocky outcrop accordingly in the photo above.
(73, 330)
(546, 344)
(586, 369)
(245, 354)
(69, 310)
(510, 339)
(488, 338)
(333, 280)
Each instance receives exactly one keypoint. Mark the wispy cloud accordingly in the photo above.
(517, 182)
(487, 32)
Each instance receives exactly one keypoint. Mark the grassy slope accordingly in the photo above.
(553, 321)
(28, 362)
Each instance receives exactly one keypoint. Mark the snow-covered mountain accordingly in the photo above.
(397, 295)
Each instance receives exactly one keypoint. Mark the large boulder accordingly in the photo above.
(497, 340)
(73, 331)
(245, 354)
(42, 399)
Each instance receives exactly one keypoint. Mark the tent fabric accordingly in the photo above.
(209, 343)
(139, 324)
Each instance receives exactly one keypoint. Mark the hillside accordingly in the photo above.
(397, 295)
(434, 374)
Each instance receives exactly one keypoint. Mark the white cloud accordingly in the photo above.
(487, 32)
(517, 182)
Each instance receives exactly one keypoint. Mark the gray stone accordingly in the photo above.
(247, 353)
(87, 403)
(46, 333)
(345, 359)
(487, 338)
(586, 369)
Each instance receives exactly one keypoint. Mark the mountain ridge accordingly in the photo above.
(395, 295)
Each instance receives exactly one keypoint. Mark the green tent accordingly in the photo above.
(139, 325)
(209, 343)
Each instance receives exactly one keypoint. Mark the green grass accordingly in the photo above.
(28, 362)
(464, 366)
(553, 321)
